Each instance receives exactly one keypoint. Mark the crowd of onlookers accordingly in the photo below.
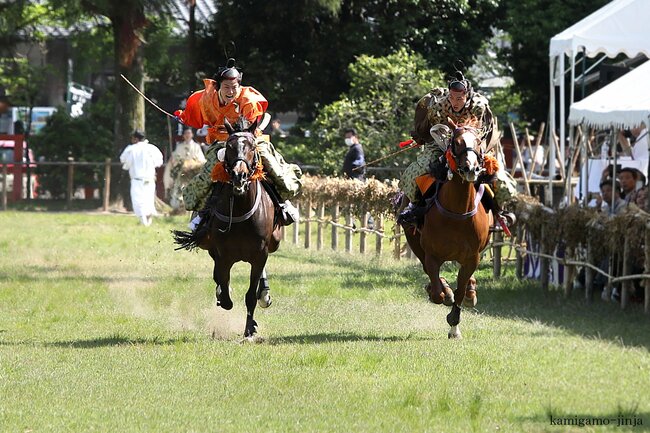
(622, 189)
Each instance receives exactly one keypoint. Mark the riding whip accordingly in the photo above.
(147, 99)
(405, 145)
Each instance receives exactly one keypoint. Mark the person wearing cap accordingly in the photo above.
(141, 158)
(460, 103)
(225, 98)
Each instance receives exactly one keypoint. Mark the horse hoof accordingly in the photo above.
(454, 333)
(252, 339)
(226, 303)
(264, 301)
(447, 293)
(435, 297)
(470, 300)
(449, 300)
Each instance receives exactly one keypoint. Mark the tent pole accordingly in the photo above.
(562, 110)
(551, 130)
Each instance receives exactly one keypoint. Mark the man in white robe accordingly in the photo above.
(141, 159)
(186, 158)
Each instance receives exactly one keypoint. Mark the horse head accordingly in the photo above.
(241, 158)
(466, 151)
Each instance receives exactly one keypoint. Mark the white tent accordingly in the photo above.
(621, 26)
(624, 103)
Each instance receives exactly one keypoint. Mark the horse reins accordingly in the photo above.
(258, 196)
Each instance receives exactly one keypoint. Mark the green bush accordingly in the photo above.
(380, 105)
(85, 138)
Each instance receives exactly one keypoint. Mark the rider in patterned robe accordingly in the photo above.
(461, 104)
(185, 160)
(225, 98)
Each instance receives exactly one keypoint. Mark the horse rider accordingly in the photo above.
(187, 156)
(225, 98)
(460, 103)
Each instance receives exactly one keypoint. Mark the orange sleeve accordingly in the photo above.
(254, 104)
(192, 116)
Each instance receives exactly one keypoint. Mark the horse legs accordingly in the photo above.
(263, 291)
(257, 267)
(438, 291)
(221, 276)
(464, 275)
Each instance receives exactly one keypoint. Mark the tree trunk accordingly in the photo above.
(129, 107)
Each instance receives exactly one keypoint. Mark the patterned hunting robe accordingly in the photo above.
(432, 109)
(184, 159)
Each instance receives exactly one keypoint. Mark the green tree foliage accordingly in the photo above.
(380, 105)
(85, 138)
(297, 51)
(532, 24)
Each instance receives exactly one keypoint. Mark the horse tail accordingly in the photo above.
(186, 240)
(192, 240)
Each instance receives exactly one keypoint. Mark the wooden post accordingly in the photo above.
(296, 228)
(589, 273)
(519, 264)
(627, 268)
(349, 221)
(538, 141)
(543, 263)
(70, 185)
(107, 183)
(319, 233)
(4, 186)
(568, 272)
(379, 227)
(363, 235)
(307, 215)
(521, 159)
(496, 254)
(647, 268)
(335, 233)
(397, 251)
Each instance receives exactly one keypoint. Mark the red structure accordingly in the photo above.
(16, 169)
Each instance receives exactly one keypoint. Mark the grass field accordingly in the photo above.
(104, 327)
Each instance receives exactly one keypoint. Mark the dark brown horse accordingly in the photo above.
(238, 224)
(456, 227)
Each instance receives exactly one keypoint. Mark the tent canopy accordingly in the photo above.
(624, 103)
(618, 27)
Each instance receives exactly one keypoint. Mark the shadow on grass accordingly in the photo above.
(113, 341)
(321, 338)
(526, 300)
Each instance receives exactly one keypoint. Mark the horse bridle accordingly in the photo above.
(258, 193)
(466, 149)
(251, 167)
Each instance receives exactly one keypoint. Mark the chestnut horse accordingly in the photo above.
(457, 226)
(238, 224)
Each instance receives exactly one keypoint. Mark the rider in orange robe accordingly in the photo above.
(205, 108)
(225, 98)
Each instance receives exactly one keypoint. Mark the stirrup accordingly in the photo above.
(413, 214)
(288, 213)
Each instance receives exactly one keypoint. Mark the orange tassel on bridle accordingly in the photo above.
(219, 173)
(490, 164)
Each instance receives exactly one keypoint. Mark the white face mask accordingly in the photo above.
(348, 141)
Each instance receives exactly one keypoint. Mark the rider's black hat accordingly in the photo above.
(228, 72)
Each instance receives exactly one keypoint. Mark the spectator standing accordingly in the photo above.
(354, 158)
(141, 158)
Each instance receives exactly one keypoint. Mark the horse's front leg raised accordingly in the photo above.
(464, 275)
(438, 292)
(257, 268)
